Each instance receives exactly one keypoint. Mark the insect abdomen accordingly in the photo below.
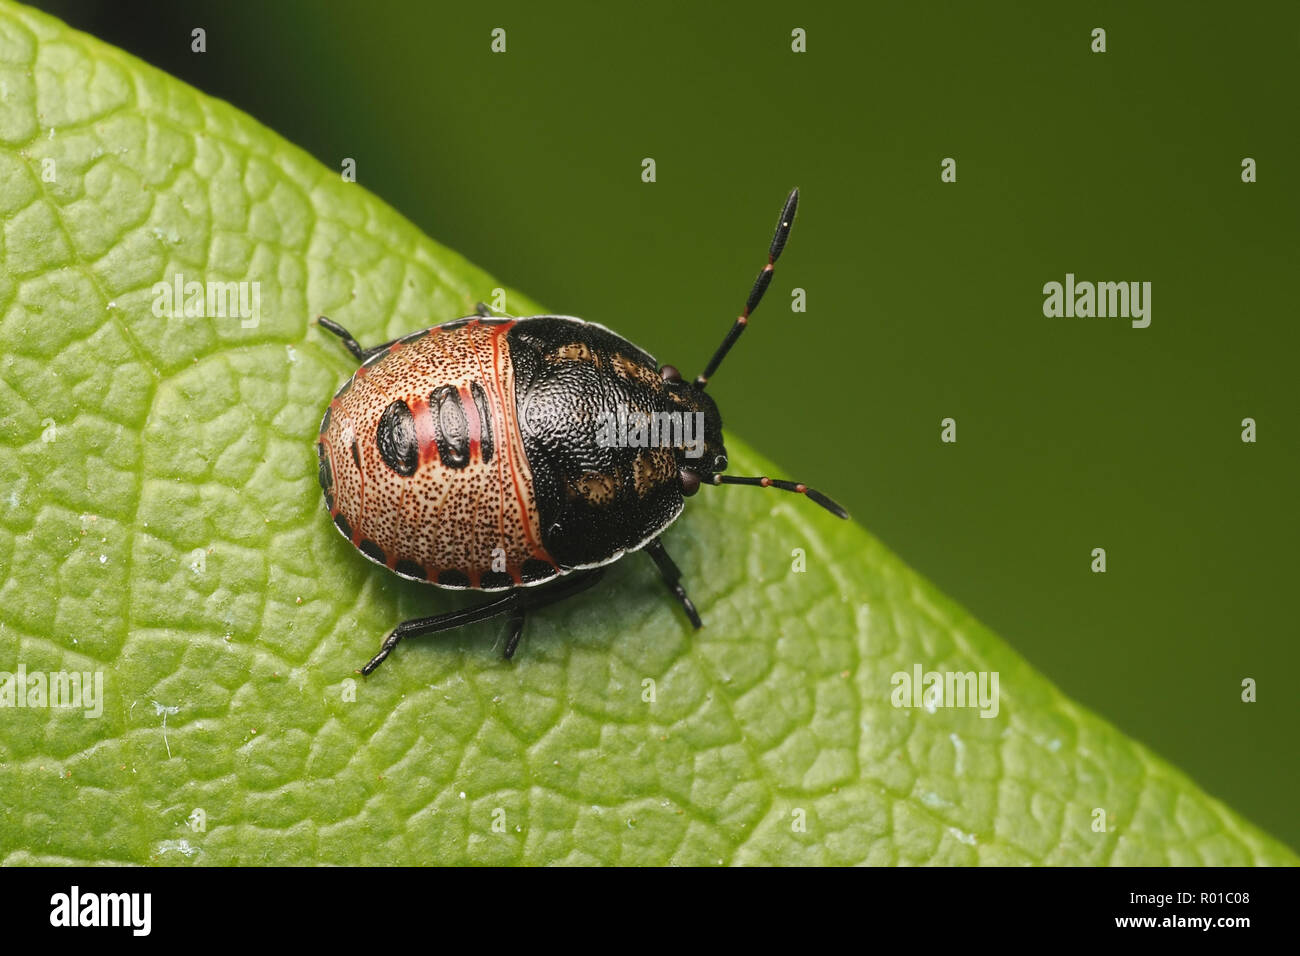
(423, 466)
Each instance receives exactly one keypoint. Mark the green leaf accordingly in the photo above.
(161, 526)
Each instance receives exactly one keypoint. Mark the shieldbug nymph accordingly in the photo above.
(523, 455)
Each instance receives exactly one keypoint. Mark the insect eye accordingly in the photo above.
(690, 482)
(670, 373)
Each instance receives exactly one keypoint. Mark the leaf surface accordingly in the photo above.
(161, 526)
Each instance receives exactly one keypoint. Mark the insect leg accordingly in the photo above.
(517, 617)
(515, 603)
(352, 345)
(440, 622)
(672, 576)
(531, 599)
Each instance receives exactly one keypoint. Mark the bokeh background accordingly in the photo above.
(924, 299)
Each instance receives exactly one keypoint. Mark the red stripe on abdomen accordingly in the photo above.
(426, 435)
(510, 444)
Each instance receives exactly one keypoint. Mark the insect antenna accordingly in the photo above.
(755, 294)
(795, 486)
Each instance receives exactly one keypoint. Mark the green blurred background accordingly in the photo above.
(924, 298)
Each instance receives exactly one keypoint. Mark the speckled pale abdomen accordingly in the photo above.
(424, 466)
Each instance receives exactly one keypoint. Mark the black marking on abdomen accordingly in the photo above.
(324, 474)
(536, 570)
(453, 579)
(453, 427)
(492, 580)
(484, 421)
(411, 569)
(398, 445)
(372, 551)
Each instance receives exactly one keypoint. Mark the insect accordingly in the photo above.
(495, 454)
